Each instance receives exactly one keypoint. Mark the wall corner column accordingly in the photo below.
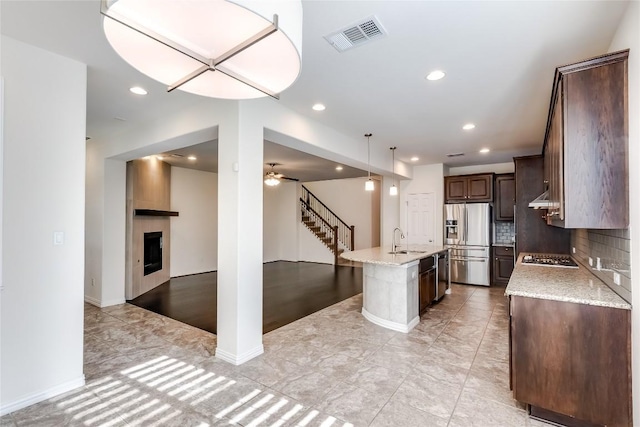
(240, 234)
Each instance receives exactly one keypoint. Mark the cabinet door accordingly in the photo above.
(480, 188)
(502, 265)
(572, 359)
(455, 188)
(555, 158)
(427, 289)
(505, 197)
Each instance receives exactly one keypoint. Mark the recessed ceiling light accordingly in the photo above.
(338, 168)
(146, 157)
(435, 75)
(192, 158)
(484, 150)
(138, 90)
(468, 126)
(319, 107)
(415, 158)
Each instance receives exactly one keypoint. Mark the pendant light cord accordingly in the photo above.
(368, 135)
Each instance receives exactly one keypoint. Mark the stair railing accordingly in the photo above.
(346, 233)
(330, 232)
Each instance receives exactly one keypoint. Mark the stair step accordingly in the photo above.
(327, 240)
(320, 233)
(305, 218)
(340, 251)
(310, 223)
(315, 229)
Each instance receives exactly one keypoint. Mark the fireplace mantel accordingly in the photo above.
(153, 212)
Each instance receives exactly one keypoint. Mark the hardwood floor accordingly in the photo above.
(292, 290)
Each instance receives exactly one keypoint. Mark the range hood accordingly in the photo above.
(541, 202)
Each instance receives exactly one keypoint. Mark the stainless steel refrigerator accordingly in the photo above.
(467, 231)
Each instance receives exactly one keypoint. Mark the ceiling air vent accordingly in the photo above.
(455, 155)
(356, 34)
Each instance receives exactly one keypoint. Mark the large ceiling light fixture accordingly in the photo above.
(238, 49)
(393, 190)
(368, 186)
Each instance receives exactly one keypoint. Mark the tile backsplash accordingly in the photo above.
(613, 247)
(504, 232)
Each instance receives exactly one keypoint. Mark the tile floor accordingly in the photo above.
(332, 368)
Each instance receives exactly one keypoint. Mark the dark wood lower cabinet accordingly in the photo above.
(427, 283)
(571, 360)
(502, 264)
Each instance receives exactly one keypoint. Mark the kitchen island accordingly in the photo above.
(390, 287)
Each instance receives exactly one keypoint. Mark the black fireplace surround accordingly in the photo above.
(152, 252)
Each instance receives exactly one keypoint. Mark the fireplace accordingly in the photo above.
(152, 252)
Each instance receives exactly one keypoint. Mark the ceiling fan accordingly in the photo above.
(272, 178)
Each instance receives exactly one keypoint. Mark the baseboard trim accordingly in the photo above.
(41, 396)
(92, 300)
(239, 359)
(102, 304)
(395, 326)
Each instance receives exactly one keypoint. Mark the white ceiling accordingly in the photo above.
(499, 57)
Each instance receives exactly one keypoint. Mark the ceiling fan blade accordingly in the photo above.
(290, 179)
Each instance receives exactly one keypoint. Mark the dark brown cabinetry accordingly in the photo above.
(571, 362)
(532, 232)
(586, 144)
(505, 189)
(468, 188)
(502, 264)
(427, 282)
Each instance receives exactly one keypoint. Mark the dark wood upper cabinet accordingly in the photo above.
(468, 188)
(505, 188)
(586, 144)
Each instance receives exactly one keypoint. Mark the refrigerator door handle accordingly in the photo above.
(469, 259)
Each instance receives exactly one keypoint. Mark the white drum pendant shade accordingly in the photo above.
(182, 43)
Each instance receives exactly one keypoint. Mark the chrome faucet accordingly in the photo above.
(393, 238)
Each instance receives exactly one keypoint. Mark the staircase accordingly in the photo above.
(332, 231)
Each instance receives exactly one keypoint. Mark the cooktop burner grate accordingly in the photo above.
(549, 260)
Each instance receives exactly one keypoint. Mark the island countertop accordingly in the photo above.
(575, 285)
(381, 255)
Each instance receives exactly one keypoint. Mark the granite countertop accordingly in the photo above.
(509, 245)
(381, 255)
(562, 284)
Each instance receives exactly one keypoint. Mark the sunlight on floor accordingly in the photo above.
(152, 394)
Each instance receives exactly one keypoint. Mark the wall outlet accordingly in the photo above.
(616, 278)
(598, 264)
(93, 281)
(573, 250)
(590, 262)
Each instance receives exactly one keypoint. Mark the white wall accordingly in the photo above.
(194, 233)
(41, 330)
(508, 167)
(389, 211)
(348, 199)
(628, 37)
(281, 219)
(426, 179)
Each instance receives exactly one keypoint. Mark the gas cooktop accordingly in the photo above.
(549, 260)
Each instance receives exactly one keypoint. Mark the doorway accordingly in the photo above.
(421, 216)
